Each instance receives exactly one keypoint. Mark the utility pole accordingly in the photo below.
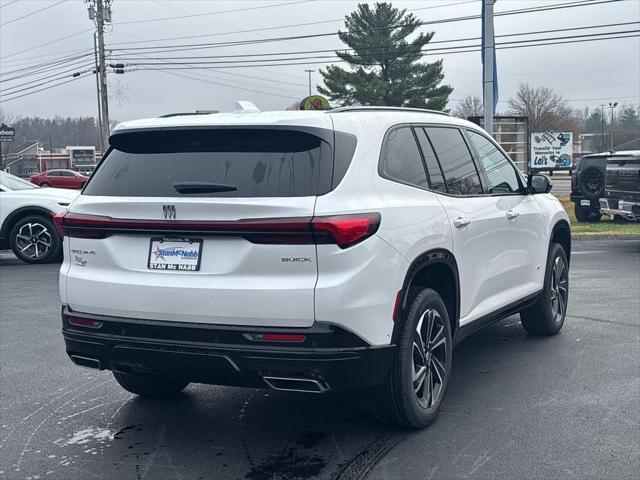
(602, 127)
(309, 72)
(100, 13)
(611, 106)
(489, 85)
(97, 70)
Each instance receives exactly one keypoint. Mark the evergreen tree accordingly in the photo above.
(629, 118)
(386, 67)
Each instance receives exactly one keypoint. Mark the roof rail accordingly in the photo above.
(182, 114)
(385, 109)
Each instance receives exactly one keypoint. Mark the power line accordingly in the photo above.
(432, 51)
(432, 22)
(42, 68)
(149, 20)
(45, 88)
(32, 13)
(8, 3)
(47, 43)
(469, 50)
(213, 82)
(55, 76)
(126, 55)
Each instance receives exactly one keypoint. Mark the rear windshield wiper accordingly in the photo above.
(202, 187)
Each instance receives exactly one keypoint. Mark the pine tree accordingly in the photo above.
(386, 67)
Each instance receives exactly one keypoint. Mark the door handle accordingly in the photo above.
(511, 215)
(460, 222)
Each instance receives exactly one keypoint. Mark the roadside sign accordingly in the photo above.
(551, 151)
(7, 134)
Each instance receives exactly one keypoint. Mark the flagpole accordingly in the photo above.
(488, 64)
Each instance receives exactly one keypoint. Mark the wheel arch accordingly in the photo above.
(19, 213)
(436, 269)
(561, 233)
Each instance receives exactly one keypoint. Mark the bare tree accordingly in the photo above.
(294, 106)
(469, 107)
(545, 109)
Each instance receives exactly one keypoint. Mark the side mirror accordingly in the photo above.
(539, 183)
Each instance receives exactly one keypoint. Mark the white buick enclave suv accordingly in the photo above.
(306, 251)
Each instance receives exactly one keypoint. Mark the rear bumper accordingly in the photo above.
(328, 357)
(585, 201)
(624, 208)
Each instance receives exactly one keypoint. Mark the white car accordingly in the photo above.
(306, 251)
(26, 219)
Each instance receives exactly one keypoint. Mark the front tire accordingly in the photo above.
(34, 239)
(413, 391)
(587, 214)
(546, 316)
(150, 385)
(44, 185)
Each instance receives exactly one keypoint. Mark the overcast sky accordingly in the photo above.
(586, 74)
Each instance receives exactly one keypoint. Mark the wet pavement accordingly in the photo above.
(517, 406)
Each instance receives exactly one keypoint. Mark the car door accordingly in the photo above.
(67, 179)
(53, 178)
(485, 243)
(520, 215)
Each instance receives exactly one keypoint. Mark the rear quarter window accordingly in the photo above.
(256, 162)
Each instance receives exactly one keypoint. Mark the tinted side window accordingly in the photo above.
(401, 158)
(53, 174)
(501, 175)
(433, 167)
(256, 162)
(460, 172)
(66, 174)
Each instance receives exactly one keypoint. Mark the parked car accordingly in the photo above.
(622, 186)
(59, 179)
(588, 186)
(26, 223)
(306, 251)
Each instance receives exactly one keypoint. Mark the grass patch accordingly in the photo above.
(603, 226)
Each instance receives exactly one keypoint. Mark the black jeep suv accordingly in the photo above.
(588, 186)
(622, 182)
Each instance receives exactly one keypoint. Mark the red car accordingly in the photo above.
(59, 179)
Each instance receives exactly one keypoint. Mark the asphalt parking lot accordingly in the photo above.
(517, 407)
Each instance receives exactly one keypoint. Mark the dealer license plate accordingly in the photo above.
(585, 203)
(169, 253)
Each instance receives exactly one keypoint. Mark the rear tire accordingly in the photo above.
(587, 214)
(150, 385)
(413, 391)
(546, 316)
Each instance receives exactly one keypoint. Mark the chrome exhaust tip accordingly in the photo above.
(86, 362)
(290, 384)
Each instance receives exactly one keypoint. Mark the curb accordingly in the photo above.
(605, 236)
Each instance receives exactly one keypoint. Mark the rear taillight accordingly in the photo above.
(57, 220)
(345, 230)
(341, 230)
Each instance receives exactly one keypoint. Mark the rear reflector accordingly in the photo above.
(84, 322)
(341, 230)
(397, 306)
(275, 337)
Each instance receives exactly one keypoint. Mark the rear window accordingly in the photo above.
(238, 162)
